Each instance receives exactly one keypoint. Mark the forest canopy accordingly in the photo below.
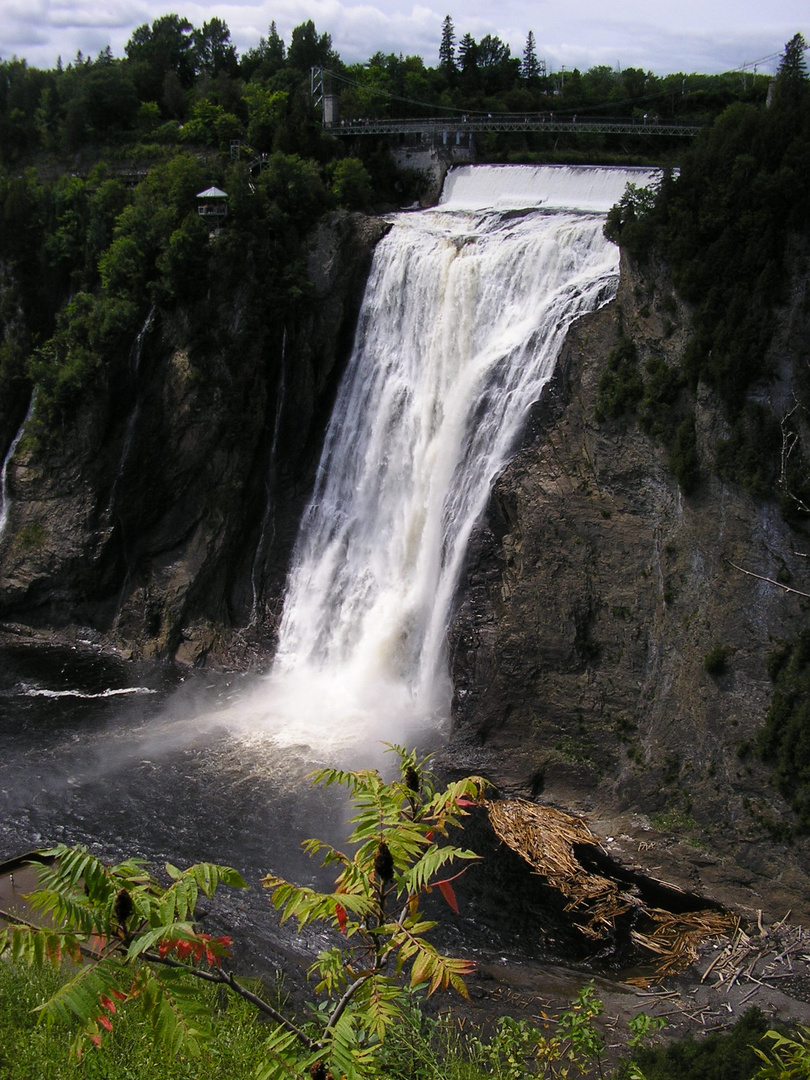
(101, 160)
(174, 74)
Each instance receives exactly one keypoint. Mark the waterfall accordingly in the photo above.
(268, 519)
(126, 444)
(4, 499)
(465, 312)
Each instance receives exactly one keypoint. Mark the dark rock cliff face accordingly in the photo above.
(162, 521)
(594, 592)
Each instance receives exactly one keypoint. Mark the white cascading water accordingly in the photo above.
(465, 312)
(268, 523)
(129, 430)
(5, 502)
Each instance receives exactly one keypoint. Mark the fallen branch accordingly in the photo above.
(761, 577)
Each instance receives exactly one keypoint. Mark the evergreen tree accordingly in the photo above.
(468, 53)
(530, 67)
(309, 49)
(215, 51)
(447, 48)
(275, 45)
(492, 52)
(266, 58)
(791, 79)
(164, 48)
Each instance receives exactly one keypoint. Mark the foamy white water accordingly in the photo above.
(38, 691)
(465, 313)
(588, 188)
(4, 499)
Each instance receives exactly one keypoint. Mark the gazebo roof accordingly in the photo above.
(212, 193)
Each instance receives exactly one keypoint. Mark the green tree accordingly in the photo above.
(530, 65)
(792, 79)
(275, 45)
(99, 102)
(267, 110)
(784, 741)
(294, 187)
(447, 47)
(788, 1057)
(215, 52)
(309, 49)
(351, 184)
(210, 125)
(183, 263)
(262, 62)
(467, 52)
(497, 67)
(164, 48)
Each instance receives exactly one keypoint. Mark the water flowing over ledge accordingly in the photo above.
(466, 310)
(15, 442)
(586, 188)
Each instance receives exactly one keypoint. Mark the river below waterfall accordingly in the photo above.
(132, 760)
(466, 310)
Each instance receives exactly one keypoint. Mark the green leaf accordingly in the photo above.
(283, 1059)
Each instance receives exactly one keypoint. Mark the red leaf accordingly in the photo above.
(96, 1040)
(105, 1022)
(465, 802)
(183, 948)
(341, 917)
(107, 1004)
(119, 995)
(447, 892)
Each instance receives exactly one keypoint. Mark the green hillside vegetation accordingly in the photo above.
(727, 229)
(180, 83)
(101, 159)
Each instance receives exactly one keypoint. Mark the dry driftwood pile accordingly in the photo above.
(749, 967)
(762, 957)
(547, 840)
(676, 939)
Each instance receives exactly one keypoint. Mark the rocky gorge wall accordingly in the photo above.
(161, 519)
(594, 593)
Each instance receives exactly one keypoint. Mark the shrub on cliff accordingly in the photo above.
(620, 384)
(351, 184)
(784, 741)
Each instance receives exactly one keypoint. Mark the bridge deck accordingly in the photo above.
(455, 127)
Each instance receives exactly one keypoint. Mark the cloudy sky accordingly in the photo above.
(691, 35)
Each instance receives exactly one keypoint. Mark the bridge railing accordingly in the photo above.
(453, 128)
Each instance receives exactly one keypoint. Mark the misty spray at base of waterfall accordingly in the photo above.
(465, 313)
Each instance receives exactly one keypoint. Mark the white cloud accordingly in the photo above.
(691, 36)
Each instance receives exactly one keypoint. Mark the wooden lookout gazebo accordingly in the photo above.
(212, 204)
